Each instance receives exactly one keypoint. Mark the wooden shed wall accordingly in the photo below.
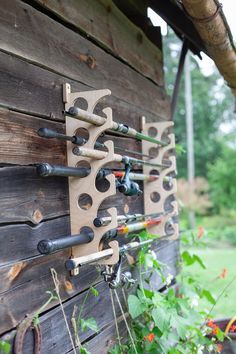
(44, 44)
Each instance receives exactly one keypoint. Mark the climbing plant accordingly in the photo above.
(170, 322)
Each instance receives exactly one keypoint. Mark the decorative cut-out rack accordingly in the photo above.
(156, 193)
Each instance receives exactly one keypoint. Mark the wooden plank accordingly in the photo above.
(104, 22)
(19, 241)
(20, 143)
(24, 196)
(26, 282)
(31, 35)
(55, 337)
(28, 88)
(107, 339)
(30, 283)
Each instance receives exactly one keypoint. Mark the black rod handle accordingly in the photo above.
(75, 139)
(45, 170)
(49, 133)
(50, 246)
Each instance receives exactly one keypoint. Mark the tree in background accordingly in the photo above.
(221, 177)
(212, 105)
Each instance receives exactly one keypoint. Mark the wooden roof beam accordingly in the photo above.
(210, 22)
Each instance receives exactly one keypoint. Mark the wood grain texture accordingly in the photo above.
(20, 143)
(29, 88)
(24, 196)
(31, 35)
(26, 282)
(55, 337)
(106, 24)
(19, 241)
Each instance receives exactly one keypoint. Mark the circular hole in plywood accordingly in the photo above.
(155, 197)
(152, 131)
(102, 185)
(82, 133)
(154, 173)
(153, 152)
(85, 201)
(81, 103)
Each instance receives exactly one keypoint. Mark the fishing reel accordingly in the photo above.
(125, 185)
(115, 278)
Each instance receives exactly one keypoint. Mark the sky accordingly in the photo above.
(229, 9)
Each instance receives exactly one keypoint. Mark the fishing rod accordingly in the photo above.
(124, 179)
(121, 219)
(99, 155)
(129, 228)
(123, 184)
(71, 264)
(78, 140)
(117, 127)
(46, 170)
(50, 246)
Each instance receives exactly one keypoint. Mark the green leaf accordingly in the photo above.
(160, 318)
(115, 350)
(136, 308)
(145, 235)
(179, 324)
(90, 323)
(199, 260)
(5, 347)
(83, 350)
(148, 260)
(94, 291)
(208, 296)
(220, 335)
(187, 258)
(190, 259)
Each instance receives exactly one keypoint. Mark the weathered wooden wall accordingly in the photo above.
(43, 44)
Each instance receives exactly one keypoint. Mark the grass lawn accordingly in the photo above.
(217, 259)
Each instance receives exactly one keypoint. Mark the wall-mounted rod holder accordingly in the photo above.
(82, 216)
(157, 195)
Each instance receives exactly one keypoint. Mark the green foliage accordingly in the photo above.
(83, 350)
(94, 291)
(89, 323)
(5, 347)
(135, 306)
(171, 322)
(221, 177)
(212, 105)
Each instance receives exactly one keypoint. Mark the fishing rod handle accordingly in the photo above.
(85, 116)
(45, 170)
(73, 263)
(50, 246)
(75, 139)
(49, 133)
